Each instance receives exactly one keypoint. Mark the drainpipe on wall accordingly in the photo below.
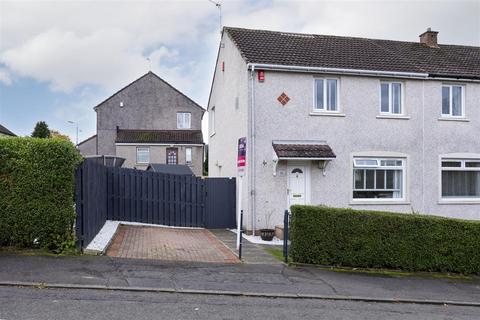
(423, 147)
(252, 149)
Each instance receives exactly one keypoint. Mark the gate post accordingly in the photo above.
(286, 217)
(241, 236)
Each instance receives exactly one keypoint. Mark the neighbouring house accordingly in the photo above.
(4, 132)
(347, 122)
(148, 121)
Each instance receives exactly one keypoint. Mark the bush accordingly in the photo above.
(37, 191)
(373, 239)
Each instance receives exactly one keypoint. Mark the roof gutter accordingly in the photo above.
(447, 77)
(371, 73)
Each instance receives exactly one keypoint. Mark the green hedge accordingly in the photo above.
(373, 239)
(36, 191)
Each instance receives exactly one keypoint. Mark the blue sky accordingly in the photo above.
(59, 59)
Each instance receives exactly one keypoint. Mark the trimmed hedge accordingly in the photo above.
(37, 191)
(373, 239)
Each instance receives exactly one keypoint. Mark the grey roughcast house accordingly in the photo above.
(347, 122)
(4, 132)
(148, 121)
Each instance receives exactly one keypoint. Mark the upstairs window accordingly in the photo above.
(326, 95)
(453, 104)
(375, 178)
(391, 98)
(184, 120)
(460, 179)
(143, 155)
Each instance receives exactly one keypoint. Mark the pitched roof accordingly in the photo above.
(150, 73)
(292, 150)
(170, 169)
(6, 131)
(160, 136)
(88, 139)
(311, 50)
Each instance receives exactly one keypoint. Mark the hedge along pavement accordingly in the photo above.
(373, 239)
(37, 191)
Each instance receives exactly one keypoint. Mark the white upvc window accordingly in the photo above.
(453, 100)
(143, 155)
(391, 98)
(379, 179)
(460, 179)
(326, 94)
(188, 156)
(212, 120)
(184, 120)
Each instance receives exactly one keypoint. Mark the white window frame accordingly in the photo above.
(380, 155)
(147, 149)
(463, 158)
(187, 151)
(324, 109)
(211, 124)
(390, 99)
(182, 122)
(450, 107)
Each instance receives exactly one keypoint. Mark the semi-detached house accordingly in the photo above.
(347, 122)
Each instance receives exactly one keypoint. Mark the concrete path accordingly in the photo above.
(251, 253)
(231, 279)
(174, 244)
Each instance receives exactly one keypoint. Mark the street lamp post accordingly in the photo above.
(76, 125)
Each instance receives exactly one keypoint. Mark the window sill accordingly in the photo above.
(453, 119)
(327, 114)
(399, 117)
(379, 202)
(460, 201)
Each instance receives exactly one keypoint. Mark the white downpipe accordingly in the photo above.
(423, 147)
(252, 150)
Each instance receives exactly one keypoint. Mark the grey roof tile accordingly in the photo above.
(311, 50)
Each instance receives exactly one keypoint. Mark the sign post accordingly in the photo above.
(241, 163)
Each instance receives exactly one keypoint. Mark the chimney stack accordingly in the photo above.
(429, 38)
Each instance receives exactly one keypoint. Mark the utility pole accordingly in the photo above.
(76, 125)
(219, 6)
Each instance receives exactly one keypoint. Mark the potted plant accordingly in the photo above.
(267, 234)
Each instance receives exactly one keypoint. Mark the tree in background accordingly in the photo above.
(41, 130)
(54, 134)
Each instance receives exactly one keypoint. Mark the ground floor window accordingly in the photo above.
(378, 178)
(143, 155)
(460, 179)
(188, 156)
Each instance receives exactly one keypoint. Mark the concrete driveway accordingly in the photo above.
(174, 244)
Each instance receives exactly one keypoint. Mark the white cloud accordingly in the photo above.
(105, 43)
(5, 77)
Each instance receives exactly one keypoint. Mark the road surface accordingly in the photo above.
(32, 303)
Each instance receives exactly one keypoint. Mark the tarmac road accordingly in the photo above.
(32, 303)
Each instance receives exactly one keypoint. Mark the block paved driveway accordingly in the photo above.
(198, 245)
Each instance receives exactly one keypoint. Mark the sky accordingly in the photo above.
(60, 59)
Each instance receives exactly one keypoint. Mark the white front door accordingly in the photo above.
(297, 184)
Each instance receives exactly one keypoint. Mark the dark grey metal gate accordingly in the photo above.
(109, 193)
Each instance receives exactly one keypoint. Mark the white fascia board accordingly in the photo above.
(373, 73)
